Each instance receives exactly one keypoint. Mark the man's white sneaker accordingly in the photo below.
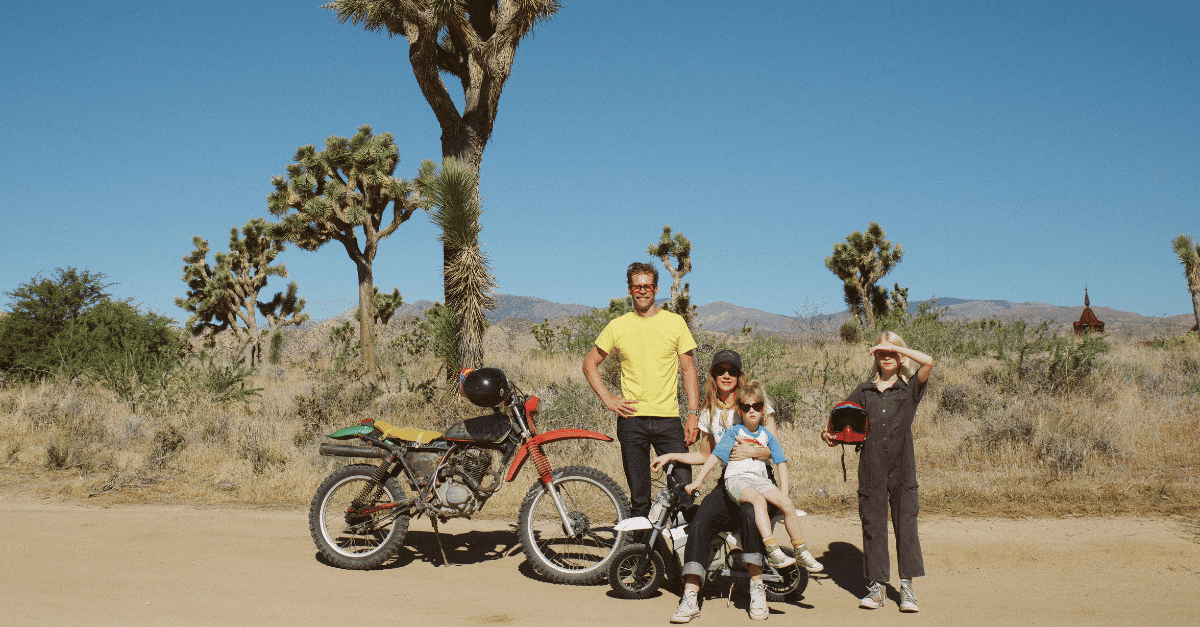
(810, 563)
(908, 600)
(758, 601)
(689, 608)
(876, 598)
(778, 558)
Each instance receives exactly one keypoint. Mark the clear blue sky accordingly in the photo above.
(1017, 150)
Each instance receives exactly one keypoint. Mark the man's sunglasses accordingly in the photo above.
(721, 371)
(745, 407)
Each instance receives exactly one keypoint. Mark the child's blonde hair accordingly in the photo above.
(906, 365)
(752, 392)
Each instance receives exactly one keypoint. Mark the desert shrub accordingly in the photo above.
(333, 399)
(579, 334)
(71, 326)
(849, 331)
(957, 398)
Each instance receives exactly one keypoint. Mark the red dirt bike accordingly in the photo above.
(567, 523)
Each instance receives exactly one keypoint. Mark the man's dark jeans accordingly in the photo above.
(637, 434)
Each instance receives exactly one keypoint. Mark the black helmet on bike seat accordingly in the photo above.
(486, 387)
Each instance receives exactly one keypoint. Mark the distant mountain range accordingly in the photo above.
(724, 317)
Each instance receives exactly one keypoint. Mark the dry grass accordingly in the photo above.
(1123, 441)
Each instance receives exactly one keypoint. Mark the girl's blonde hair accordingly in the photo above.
(906, 365)
(752, 392)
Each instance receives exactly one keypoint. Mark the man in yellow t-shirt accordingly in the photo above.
(653, 345)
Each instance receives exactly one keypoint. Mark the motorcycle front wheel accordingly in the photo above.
(792, 580)
(623, 572)
(594, 503)
(354, 520)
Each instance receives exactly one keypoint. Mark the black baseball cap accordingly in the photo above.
(727, 357)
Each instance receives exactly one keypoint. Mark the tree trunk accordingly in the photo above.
(366, 316)
(463, 143)
(1195, 290)
(866, 314)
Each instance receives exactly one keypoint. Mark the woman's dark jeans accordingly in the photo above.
(719, 513)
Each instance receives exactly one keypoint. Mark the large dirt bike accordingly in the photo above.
(567, 522)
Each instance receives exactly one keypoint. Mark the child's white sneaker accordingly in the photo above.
(778, 558)
(810, 563)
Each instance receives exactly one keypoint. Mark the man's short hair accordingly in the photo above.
(637, 268)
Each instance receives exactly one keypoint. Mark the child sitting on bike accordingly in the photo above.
(747, 481)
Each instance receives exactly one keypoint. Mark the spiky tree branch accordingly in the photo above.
(331, 194)
(860, 262)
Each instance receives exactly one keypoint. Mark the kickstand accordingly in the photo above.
(437, 536)
(729, 597)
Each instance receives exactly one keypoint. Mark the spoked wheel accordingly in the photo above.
(594, 504)
(635, 575)
(355, 521)
(792, 580)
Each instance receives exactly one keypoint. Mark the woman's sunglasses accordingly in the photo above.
(745, 407)
(721, 371)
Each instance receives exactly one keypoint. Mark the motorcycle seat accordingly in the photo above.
(408, 434)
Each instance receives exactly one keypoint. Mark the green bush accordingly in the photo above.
(70, 326)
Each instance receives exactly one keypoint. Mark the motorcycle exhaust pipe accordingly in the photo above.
(342, 450)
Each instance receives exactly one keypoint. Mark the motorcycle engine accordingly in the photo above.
(457, 498)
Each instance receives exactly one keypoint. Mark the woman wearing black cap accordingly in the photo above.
(718, 512)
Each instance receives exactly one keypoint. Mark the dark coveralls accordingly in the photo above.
(887, 475)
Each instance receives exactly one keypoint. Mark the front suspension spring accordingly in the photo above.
(540, 462)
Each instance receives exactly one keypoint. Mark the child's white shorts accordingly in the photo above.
(734, 485)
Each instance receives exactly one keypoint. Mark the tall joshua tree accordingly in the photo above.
(474, 41)
(226, 297)
(1189, 255)
(334, 193)
(452, 193)
(860, 262)
(680, 248)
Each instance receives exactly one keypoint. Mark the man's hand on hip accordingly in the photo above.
(623, 407)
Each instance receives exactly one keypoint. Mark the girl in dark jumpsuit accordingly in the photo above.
(887, 470)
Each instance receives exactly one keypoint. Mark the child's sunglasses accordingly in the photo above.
(745, 407)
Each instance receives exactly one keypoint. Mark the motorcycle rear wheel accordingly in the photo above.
(623, 577)
(358, 542)
(595, 504)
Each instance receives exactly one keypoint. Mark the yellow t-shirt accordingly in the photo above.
(649, 350)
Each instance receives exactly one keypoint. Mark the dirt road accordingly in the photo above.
(72, 563)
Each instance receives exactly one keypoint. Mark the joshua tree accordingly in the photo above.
(386, 305)
(1189, 255)
(331, 194)
(455, 207)
(474, 41)
(226, 297)
(680, 248)
(860, 262)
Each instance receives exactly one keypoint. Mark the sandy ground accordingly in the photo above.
(76, 563)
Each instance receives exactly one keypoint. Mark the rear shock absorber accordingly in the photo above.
(372, 490)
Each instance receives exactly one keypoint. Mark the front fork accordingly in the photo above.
(547, 475)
